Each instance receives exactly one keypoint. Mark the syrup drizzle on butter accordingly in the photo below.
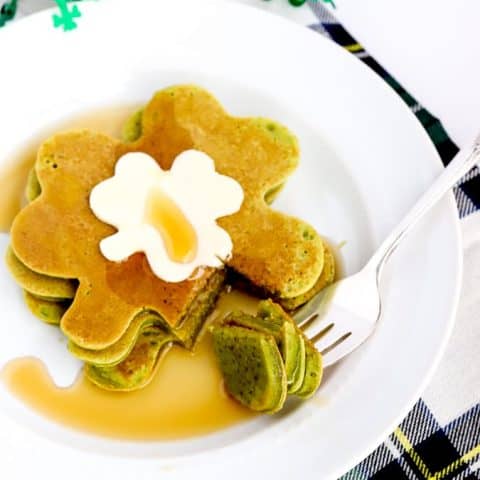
(177, 232)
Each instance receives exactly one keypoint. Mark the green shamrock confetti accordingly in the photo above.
(330, 2)
(67, 16)
(7, 12)
(299, 3)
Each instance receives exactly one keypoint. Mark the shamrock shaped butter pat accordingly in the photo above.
(170, 215)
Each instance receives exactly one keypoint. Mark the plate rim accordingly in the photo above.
(452, 206)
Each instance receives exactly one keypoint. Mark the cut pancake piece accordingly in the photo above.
(299, 373)
(291, 344)
(289, 340)
(189, 327)
(137, 370)
(257, 323)
(313, 371)
(50, 312)
(252, 367)
(302, 362)
(292, 352)
(185, 335)
(39, 285)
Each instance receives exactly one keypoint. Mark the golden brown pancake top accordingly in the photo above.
(58, 234)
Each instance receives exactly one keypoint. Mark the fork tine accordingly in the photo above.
(303, 324)
(317, 306)
(326, 339)
(340, 350)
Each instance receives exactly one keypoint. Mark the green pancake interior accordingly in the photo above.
(137, 369)
(252, 367)
(301, 362)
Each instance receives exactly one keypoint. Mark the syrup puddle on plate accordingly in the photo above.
(186, 397)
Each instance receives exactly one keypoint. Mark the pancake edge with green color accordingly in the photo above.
(290, 348)
(50, 312)
(299, 373)
(256, 323)
(313, 372)
(188, 328)
(132, 129)
(39, 285)
(119, 351)
(138, 369)
(186, 335)
(326, 278)
(291, 344)
(290, 341)
(33, 188)
(230, 343)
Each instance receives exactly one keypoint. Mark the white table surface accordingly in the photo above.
(432, 47)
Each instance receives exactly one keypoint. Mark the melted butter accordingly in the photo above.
(13, 176)
(186, 398)
(177, 232)
(182, 204)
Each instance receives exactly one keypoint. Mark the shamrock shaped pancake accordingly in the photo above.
(58, 235)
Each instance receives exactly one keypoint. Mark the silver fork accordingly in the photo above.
(341, 317)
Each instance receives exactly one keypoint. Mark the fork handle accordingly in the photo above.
(462, 163)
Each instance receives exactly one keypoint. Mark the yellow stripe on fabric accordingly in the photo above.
(356, 47)
(453, 466)
(405, 442)
(409, 448)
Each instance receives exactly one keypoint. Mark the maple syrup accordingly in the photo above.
(185, 398)
(177, 232)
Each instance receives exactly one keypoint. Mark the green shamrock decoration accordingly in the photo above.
(67, 16)
(299, 3)
(7, 12)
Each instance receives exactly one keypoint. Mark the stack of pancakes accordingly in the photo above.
(119, 318)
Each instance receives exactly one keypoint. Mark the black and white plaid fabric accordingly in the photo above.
(467, 192)
(420, 447)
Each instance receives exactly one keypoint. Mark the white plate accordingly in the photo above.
(365, 159)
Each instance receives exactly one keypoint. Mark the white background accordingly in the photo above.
(431, 46)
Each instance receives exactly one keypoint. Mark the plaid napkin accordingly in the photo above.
(424, 447)
(440, 437)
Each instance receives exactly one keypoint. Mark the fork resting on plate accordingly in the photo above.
(341, 317)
